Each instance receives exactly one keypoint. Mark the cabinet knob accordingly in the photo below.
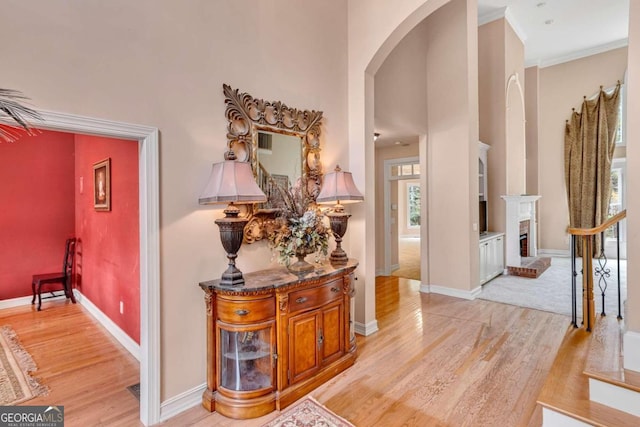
(301, 300)
(335, 290)
(242, 312)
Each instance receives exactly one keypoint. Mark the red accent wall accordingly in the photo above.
(36, 208)
(108, 267)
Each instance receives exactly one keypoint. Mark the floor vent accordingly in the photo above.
(135, 390)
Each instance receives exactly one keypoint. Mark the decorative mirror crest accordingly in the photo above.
(247, 116)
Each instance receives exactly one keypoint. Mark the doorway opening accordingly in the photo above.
(147, 139)
(402, 199)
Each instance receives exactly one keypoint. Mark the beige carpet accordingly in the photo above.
(409, 258)
(308, 413)
(16, 385)
(552, 290)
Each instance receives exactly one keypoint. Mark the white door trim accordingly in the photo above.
(148, 179)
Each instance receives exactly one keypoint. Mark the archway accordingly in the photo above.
(371, 38)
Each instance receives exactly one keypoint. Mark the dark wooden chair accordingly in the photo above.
(64, 278)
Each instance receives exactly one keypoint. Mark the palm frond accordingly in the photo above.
(13, 110)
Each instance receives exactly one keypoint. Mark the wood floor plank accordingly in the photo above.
(86, 370)
(436, 361)
(566, 389)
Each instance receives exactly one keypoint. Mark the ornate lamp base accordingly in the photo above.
(231, 234)
(339, 222)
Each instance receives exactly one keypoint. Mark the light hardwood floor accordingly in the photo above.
(436, 361)
(87, 371)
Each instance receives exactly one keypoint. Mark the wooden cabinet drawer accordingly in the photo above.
(314, 297)
(247, 311)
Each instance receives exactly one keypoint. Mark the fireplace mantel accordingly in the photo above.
(519, 208)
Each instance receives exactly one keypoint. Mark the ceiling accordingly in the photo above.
(553, 31)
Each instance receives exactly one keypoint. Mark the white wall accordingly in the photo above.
(162, 63)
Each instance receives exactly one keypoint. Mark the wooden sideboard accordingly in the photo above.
(276, 338)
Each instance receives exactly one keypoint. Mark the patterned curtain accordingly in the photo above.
(589, 142)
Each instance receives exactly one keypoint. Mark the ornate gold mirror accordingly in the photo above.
(283, 146)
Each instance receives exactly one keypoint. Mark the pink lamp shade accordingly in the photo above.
(231, 182)
(338, 186)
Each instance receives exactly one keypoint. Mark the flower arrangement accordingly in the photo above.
(19, 115)
(300, 229)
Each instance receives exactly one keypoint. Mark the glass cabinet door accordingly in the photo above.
(246, 361)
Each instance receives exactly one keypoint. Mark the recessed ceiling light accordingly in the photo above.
(398, 142)
(549, 21)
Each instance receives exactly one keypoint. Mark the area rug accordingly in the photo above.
(16, 384)
(308, 413)
(552, 290)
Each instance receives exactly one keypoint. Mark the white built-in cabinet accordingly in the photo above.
(491, 256)
(491, 243)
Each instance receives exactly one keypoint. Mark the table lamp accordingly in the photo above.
(338, 187)
(231, 182)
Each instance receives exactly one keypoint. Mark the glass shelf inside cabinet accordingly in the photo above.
(246, 362)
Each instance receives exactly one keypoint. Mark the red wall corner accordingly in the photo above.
(37, 214)
(108, 258)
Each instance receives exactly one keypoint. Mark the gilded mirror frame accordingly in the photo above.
(246, 116)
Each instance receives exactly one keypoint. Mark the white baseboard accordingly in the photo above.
(111, 327)
(20, 301)
(380, 272)
(631, 346)
(452, 292)
(619, 398)
(366, 329)
(555, 252)
(395, 266)
(551, 418)
(180, 403)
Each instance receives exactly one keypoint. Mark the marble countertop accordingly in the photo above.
(274, 278)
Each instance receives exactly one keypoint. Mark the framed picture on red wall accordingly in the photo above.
(102, 185)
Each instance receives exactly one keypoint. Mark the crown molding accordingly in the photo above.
(494, 15)
(515, 26)
(503, 12)
(582, 53)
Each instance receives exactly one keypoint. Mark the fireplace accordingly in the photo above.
(520, 238)
(524, 238)
(520, 229)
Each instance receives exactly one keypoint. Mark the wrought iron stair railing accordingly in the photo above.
(588, 272)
